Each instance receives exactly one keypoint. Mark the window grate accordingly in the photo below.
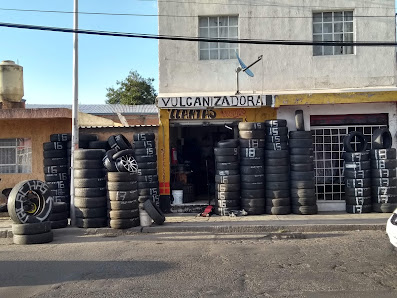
(328, 150)
(15, 156)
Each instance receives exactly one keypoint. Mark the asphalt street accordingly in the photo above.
(335, 264)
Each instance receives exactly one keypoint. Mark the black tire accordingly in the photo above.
(299, 120)
(302, 167)
(54, 146)
(56, 169)
(358, 166)
(58, 161)
(252, 185)
(146, 151)
(254, 202)
(123, 205)
(149, 191)
(89, 173)
(301, 151)
(384, 182)
(278, 202)
(303, 192)
(121, 176)
(276, 131)
(301, 159)
(63, 199)
(88, 164)
(226, 151)
(355, 156)
(280, 154)
(60, 192)
(384, 199)
(54, 153)
(90, 202)
(33, 194)
(119, 142)
(252, 178)
(304, 201)
(143, 199)
(384, 208)
(55, 185)
(227, 166)
(227, 179)
(282, 210)
(147, 165)
(383, 153)
(87, 137)
(252, 143)
(383, 173)
(276, 146)
(33, 239)
(122, 186)
(302, 176)
(252, 134)
(61, 137)
(251, 126)
(227, 195)
(357, 192)
(90, 192)
(227, 172)
(303, 184)
(227, 203)
(304, 210)
(300, 135)
(56, 177)
(270, 162)
(254, 210)
(301, 143)
(123, 195)
(145, 172)
(89, 182)
(361, 174)
(276, 123)
(145, 158)
(90, 212)
(58, 207)
(382, 139)
(148, 185)
(277, 193)
(278, 186)
(99, 145)
(384, 163)
(277, 170)
(59, 224)
(358, 183)
(227, 187)
(358, 209)
(89, 154)
(358, 200)
(124, 223)
(91, 222)
(31, 228)
(256, 161)
(252, 152)
(144, 144)
(276, 139)
(230, 143)
(226, 158)
(253, 193)
(252, 170)
(154, 212)
(276, 178)
(348, 142)
(58, 216)
(376, 191)
(148, 136)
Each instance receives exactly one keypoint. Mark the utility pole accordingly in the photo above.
(75, 108)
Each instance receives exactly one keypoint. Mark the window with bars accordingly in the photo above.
(15, 156)
(328, 150)
(333, 26)
(218, 27)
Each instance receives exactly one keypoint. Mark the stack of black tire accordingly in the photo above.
(29, 206)
(90, 188)
(146, 156)
(303, 190)
(59, 215)
(123, 200)
(357, 174)
(252, 142)
(84, 143)
(227, 178)
(57, 167)
(383, 170)
(277, 167)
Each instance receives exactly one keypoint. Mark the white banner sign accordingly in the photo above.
(203, 102)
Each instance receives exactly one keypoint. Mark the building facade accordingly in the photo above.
(340, 88)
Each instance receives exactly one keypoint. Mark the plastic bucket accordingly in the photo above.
(145, 219)
(178, 197)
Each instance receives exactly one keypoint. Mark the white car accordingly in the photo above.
(391, 228)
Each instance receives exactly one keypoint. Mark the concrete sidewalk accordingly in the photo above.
(322, 222)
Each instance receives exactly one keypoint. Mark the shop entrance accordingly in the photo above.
(192, 158)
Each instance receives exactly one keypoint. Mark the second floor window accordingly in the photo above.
(218, 27)
(333, 26)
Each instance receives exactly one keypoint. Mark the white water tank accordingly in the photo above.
(11, 81)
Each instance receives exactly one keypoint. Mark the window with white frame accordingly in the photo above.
(333, 26)
(15, 156)
(218, 27)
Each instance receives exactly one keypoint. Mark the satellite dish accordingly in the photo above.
(245, 69)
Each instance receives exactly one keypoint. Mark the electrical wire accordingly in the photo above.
(199, 39)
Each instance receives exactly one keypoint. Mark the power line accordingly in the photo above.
(198, 39)
(174, 16)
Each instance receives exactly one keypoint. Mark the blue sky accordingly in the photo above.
(47, 57)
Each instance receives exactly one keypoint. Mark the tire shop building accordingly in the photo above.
(339, 88)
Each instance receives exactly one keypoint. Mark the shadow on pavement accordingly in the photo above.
(34, 273)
